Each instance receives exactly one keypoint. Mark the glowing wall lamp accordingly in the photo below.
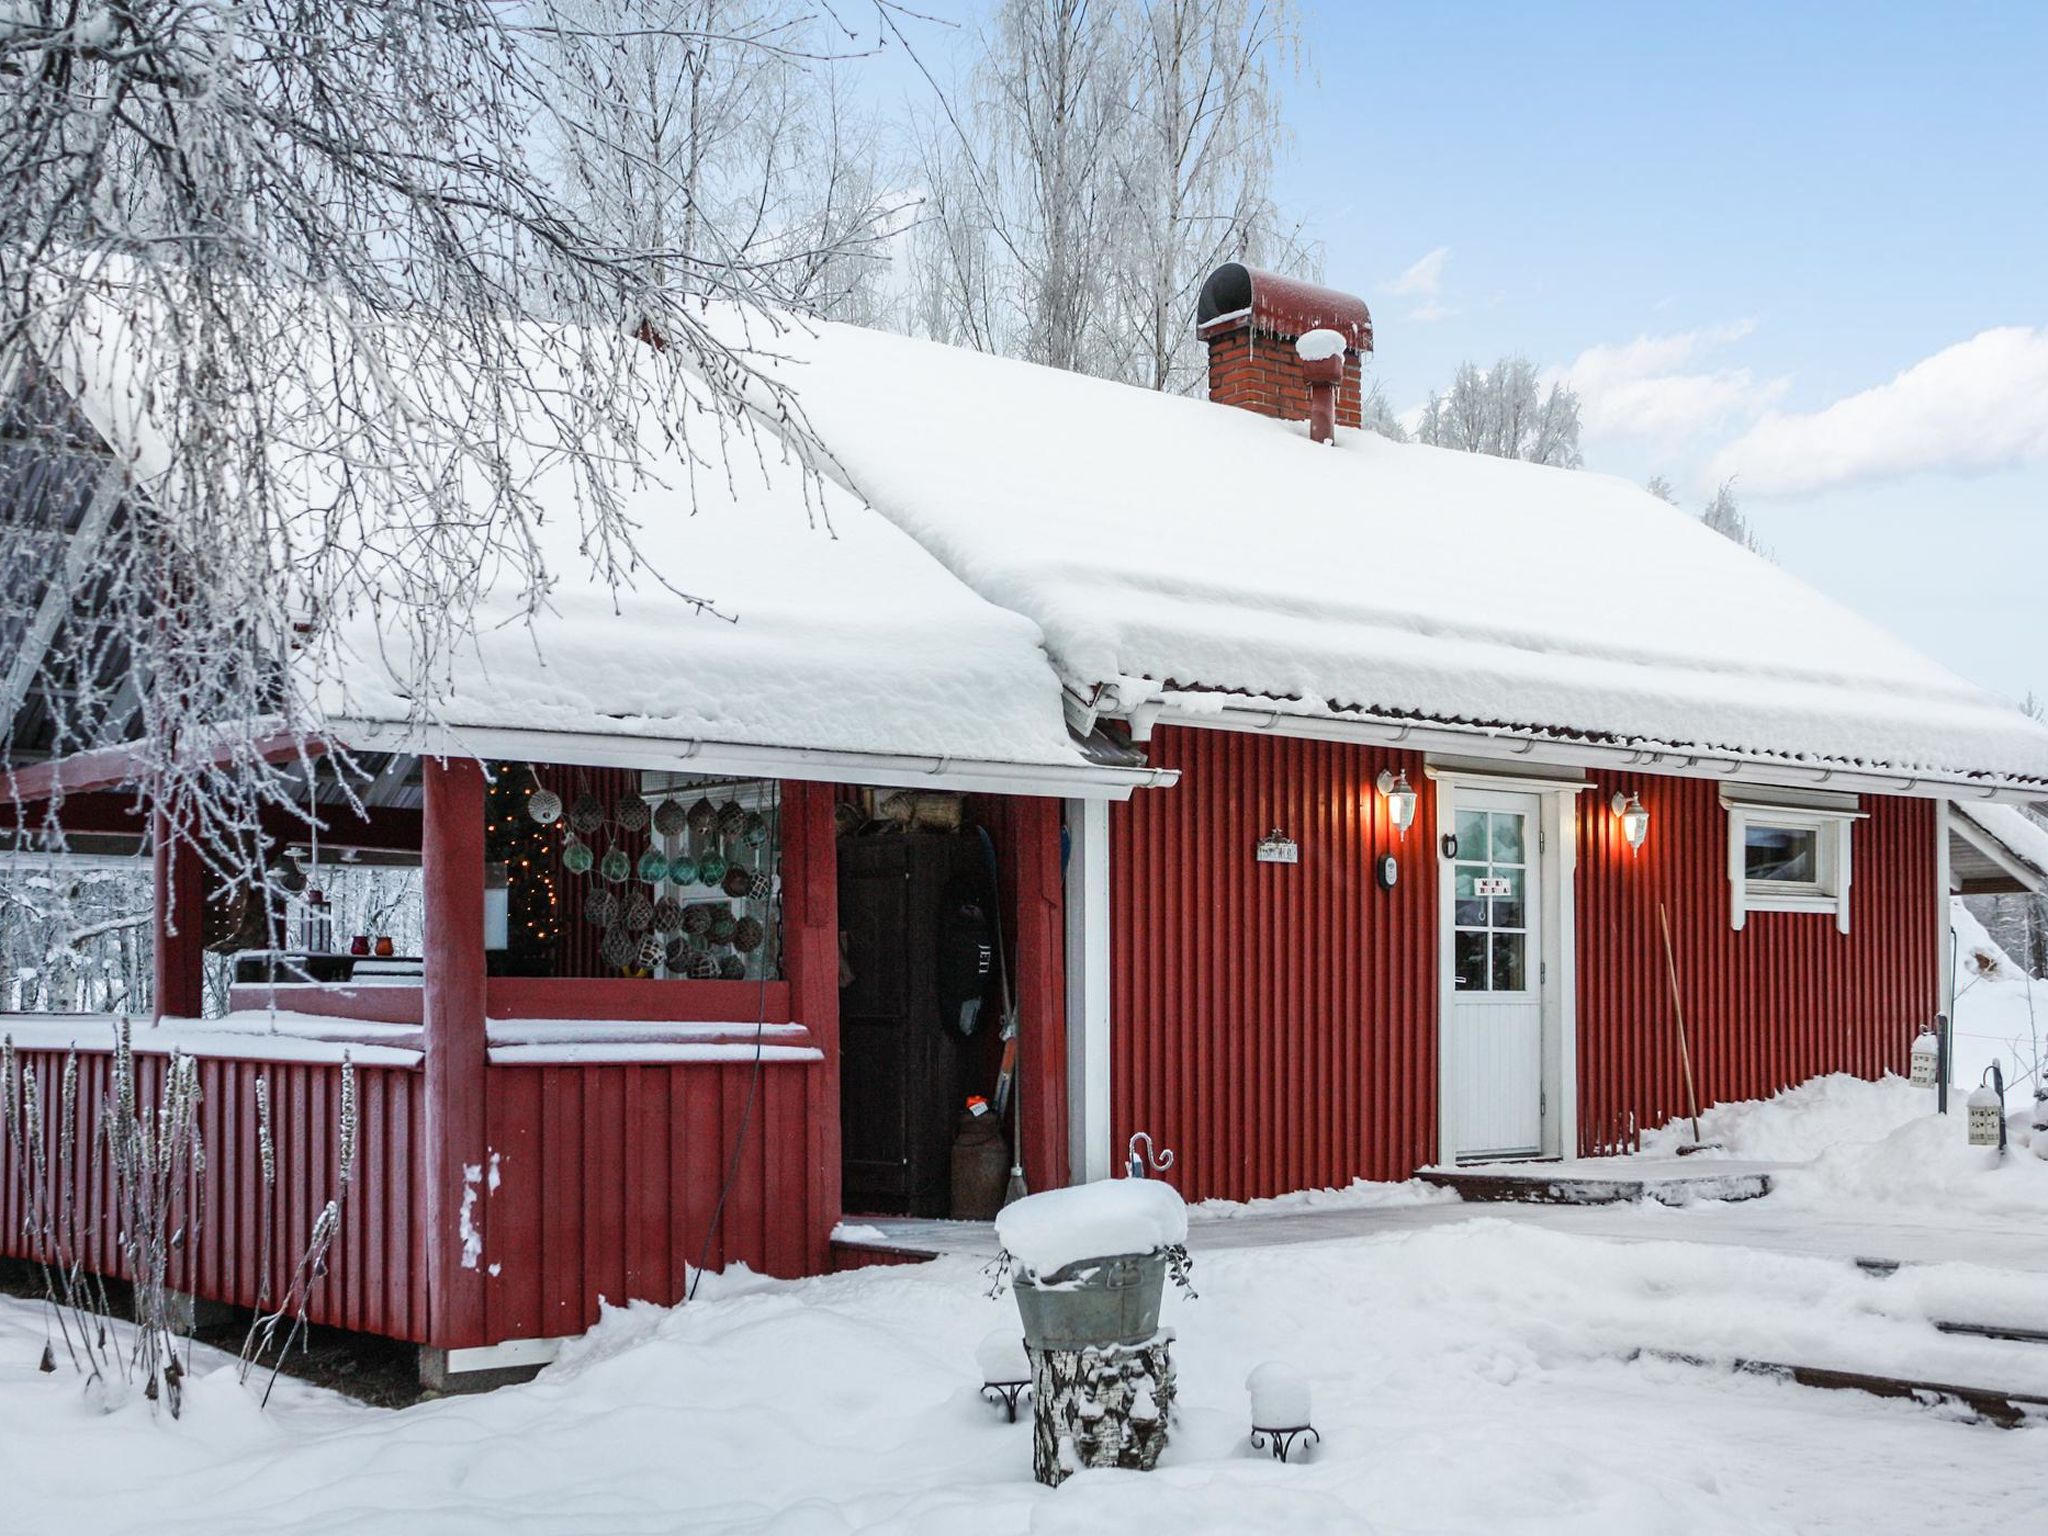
(1400, 800)
(1635, 820)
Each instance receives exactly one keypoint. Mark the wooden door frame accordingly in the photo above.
(1557, 952)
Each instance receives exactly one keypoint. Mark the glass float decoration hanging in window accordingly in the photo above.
(711, 868)
(586, 815)
(682, 869)
(732, 819)
(670, 819)
(577, 857)
(702, 817)
(739, 880)
(653, 867)
(755, 831)
(639, 912)
(616, 866)
(544, 806)
(602, 909)
(668, 915)
(632, 813)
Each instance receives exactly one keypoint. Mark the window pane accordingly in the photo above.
(1507, 910)
(1468, 911)
(1507, 837)
(1781, 853)
(1472, 834)
(1469, 955)
(1508, 961)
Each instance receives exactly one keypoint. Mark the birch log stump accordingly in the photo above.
(1104, 1406)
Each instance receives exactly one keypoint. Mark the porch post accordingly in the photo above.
(178, 953)
(1087, 901)
(1041, 989)
(452, 859)
(810, 906)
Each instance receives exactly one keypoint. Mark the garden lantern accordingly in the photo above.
(1280, 1408)
(1987, 1117)
(1926, 1058)
(1005, 1369)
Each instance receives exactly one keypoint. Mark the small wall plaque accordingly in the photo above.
(1493, 885)
(1276, 847)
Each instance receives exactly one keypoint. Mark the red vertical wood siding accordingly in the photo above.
(608, 1177)
(1781, 1000)
(375, 1281)
(1275, 1025)
(609, 1180)
(1031, 900)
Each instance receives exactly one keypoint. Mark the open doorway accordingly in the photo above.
(922, 1008)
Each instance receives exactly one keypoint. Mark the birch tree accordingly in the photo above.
(719, 135)
(1504, 411)
(329, 235)
(1104, 157)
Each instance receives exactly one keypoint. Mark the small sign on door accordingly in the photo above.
(1493, 885)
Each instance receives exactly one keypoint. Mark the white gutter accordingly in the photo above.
(1525, 746)
(593, 749)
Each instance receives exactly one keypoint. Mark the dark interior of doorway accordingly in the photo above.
(909, 978)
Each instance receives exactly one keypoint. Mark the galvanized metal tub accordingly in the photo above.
(1110, 1300)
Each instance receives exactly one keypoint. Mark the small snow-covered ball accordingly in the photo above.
(1001, 1357)
(1320, 345)
(1279, 1396)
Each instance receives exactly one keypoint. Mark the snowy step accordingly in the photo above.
(2001, 1406)
(1607, 1181)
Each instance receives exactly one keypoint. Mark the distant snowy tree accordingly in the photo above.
(1660, 488)
(1378, 416)
(295, 213)
(1104, 157)
(718, 135)
(1724, 516)
(1504, 411)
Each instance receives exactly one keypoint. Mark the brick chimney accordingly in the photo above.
(1251, 321)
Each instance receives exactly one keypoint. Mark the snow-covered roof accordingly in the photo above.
(2015, 842)
(1217, 552)
(832, 630)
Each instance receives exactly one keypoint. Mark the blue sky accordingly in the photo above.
(1720, 222)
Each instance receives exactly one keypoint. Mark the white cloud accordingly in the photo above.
(1977, 406)
(1424, 279)
(1424, 282)
(1645, 388)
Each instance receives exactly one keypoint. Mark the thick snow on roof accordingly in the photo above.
(2013, 830)
(1210, 548)
(832, 628)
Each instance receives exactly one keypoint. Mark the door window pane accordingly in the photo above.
(1472, 834)
(1469, 958)
(1509, 974)
(1508, 910)
(1468, 909)
(1507, 838)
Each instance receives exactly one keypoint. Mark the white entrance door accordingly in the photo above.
(1496, 1035)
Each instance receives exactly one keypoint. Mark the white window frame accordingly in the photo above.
(1831, 820)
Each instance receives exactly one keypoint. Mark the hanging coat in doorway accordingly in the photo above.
(966, 952)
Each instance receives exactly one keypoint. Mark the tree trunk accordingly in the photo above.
(1100, 1407)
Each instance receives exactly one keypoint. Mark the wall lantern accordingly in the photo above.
(1400, 800)
(1635, 820)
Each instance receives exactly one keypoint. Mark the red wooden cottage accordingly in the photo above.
(1339, 791)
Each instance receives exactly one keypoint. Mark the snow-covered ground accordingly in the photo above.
(1474, 1369)
(1485, 1374)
